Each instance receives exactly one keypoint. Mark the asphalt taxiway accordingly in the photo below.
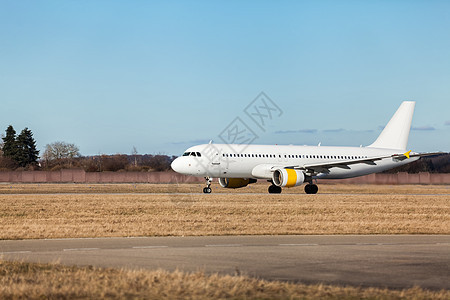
(393, 261)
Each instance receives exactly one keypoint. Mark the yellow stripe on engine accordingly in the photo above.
(292, 177)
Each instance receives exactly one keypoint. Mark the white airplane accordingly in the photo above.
(238, 165)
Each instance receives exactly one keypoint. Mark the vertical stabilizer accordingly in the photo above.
(395, 134)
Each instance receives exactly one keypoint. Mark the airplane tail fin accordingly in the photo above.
(395, 134)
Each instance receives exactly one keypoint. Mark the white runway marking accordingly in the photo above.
(81, 249)
(298, 245)
(149, 247)
(224, 245)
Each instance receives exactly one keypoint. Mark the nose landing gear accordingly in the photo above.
(207, 189)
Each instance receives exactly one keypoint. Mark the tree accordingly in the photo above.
(9, 147)
(1, 144)
(60, 150)
(113, 163)
(26, 149)
(160, 162)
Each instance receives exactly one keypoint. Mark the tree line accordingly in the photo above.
(18, 152)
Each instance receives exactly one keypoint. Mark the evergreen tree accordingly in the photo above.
(26, 149)
(9, 143)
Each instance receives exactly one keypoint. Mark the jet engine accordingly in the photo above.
(234, 183)
(288, 177)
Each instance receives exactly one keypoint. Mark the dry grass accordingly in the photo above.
(49, 281)
(99, 214)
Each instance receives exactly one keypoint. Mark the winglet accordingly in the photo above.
(407, 154)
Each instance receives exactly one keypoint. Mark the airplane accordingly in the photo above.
(285, 166)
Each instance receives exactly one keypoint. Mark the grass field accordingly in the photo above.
(106, 210)
(20, 280)
(78, 210)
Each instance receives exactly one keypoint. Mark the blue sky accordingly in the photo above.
(165, 75)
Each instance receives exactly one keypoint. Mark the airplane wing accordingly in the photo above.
(314, 169)
(266, 170)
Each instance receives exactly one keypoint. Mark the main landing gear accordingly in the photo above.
(311, 188)
(273, 189)
(207, 189)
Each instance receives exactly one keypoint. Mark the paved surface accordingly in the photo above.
(394, 261)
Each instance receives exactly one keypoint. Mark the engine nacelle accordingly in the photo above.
(288, 177)
(234, 183)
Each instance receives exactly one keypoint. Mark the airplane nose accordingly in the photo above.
(176, 165)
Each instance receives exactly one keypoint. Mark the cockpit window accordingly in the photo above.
(192, 154)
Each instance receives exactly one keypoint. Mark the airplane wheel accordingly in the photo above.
(207, 190)
(307, 189)
(273, 189)
(311, 189)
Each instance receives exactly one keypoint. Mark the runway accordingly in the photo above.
(393, 261)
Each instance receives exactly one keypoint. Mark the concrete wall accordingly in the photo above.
(80, 176)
